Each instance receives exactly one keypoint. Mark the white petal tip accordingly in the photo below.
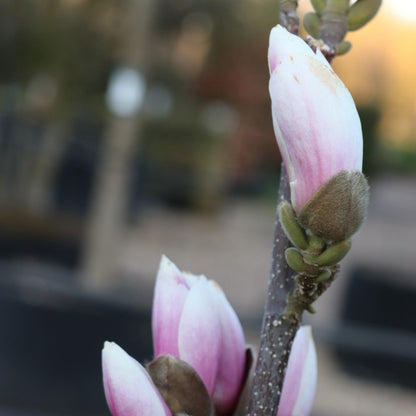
(107, 344)
(305, 330)
(164, 260)
(167, 268)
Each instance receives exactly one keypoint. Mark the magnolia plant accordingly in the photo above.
(323, 192)
(201, 362)
(202, 365)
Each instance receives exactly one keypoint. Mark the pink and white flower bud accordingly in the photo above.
(128, 388)
(184, 321)
(299, 385)
(233, 352)
(193, 321)
(316, 123)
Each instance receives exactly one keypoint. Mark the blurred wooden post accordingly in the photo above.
(108, 208)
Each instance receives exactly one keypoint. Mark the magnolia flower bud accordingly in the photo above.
(299, 385)
(128, 388)
(232, 358)
(193, 321)
(318, 131)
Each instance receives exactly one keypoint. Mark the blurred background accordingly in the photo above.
(133, 129)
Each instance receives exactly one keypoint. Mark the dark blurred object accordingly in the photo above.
(52, 335)
(370, 117)
(75, 174)
(27, 236)
(46, 182)
(398, 159)
(377, 336)
(185, 163)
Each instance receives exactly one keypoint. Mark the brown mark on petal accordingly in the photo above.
(180, 386)
(338, 208)
(296, 78)
(325, 74)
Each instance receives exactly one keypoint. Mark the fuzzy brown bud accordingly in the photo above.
(337, 209)
(180, 386)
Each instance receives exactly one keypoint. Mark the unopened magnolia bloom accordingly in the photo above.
(128, 388)
(193, 321)
(316, 123)
(300, 380)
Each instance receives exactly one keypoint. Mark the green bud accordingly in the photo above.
(310, 309)
(318, 5)
(315, 244)
(337, 209)
(361, 12)
(291, 227)
(310, 258)
(343, 47)
(295, 260)
(312, 23)
(334, 254)
(324, 275)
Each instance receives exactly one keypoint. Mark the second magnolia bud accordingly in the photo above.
(194, 322)
(314, 116)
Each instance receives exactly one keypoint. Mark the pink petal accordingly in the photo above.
(233, 353)
(171, 290)
(199, 337)
(316, 123)
(128, 388)
(299, 385)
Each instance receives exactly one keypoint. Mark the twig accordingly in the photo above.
(334, 23)
(334, 27)
(278, 329)
(288, 17)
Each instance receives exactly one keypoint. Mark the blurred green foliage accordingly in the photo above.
(398, 159)
(380, 156)
(76, 45)
(70, 44)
